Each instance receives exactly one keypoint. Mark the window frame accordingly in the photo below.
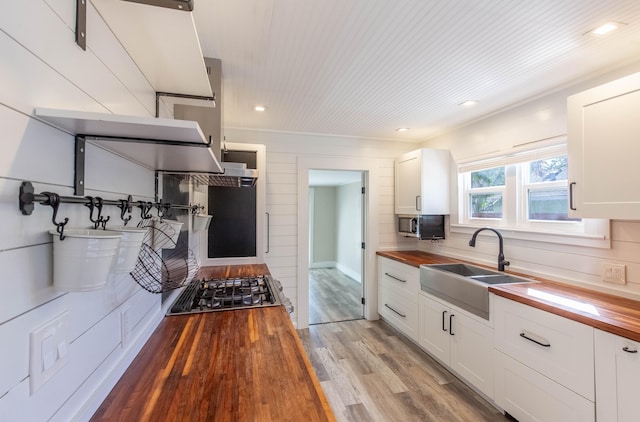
(515, 222)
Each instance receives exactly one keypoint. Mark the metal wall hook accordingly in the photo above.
(163, 209)
(101, 221)
(125, 206)
(53, 199)
(196, 208)
(96, 203)
(145, 208)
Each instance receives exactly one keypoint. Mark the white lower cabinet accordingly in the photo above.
(461, 341)
(617, 377)
(398, 287)
(543, 364)
(528, 395)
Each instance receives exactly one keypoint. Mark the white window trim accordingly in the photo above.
(596, 232)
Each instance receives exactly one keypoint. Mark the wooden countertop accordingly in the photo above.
(236, 365)
(606, 312)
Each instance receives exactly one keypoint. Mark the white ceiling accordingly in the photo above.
(367, 67)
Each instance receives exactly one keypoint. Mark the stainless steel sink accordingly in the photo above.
(463, 285)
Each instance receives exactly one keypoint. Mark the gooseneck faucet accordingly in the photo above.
(501, 262)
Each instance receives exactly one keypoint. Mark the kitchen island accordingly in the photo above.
(235, 365)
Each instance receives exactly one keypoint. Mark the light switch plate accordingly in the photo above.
(49, 350)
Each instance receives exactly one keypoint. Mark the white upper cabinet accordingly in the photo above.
(603, 130)
(422, 182)
(163, 42)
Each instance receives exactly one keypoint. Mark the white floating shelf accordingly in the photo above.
(155, 143)
(162, 42)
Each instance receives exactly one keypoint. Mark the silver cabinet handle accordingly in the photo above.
(451, 325)
(418, 205)
(401, 314)
(628, 350)
(523, 335)
(268, 232)
(395, 278)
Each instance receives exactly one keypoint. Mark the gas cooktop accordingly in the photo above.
(225, 294)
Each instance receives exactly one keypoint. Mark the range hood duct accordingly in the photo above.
(185, 5)
(210, 121)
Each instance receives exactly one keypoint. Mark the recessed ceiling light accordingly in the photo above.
(606, 28)
(468, 103)
(259, 108)
(402, 129)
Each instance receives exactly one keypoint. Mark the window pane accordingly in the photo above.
(549, 204)
(486, 205)
(487, 178)
(548, 170)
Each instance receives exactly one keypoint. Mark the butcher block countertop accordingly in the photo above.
(235, 365)
(606, 312)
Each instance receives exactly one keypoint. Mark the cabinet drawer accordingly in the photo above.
(399, 311)
(556, 347)
(399, 276)
(530, 396)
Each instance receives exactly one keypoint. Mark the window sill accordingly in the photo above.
(602, 240)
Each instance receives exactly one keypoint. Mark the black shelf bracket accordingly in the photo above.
(78, 178)
(81, 23)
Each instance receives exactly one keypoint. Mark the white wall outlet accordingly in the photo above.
(49, 351)
(614, 273)
(125, 327)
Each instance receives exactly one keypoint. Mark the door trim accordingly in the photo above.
(369, 167)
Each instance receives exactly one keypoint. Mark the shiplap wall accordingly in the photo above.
(41, 66)
(541, 118)
(284, 150)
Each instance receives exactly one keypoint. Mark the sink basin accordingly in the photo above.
(464, 285)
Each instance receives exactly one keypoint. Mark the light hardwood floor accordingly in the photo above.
(369, 372)
(333, 296)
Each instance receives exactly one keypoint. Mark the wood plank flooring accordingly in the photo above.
(370, 372)
(333, 296)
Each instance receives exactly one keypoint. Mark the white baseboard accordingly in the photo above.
(326, 264)
(348, 271)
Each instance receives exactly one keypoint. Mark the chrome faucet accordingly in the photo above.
(501, 262)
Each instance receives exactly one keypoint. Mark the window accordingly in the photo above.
(524, 192)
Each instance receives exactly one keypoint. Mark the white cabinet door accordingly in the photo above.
(472, 351)
(399, 310)
(459, 341)
(422, 182)
(554, 346)
(408, 182)
(617, 376)
(434, 328)
(529, 396)
(603, 127)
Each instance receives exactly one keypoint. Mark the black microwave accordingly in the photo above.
(424, 227)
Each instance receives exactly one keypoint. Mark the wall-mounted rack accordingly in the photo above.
(165, 145)
(27, 198)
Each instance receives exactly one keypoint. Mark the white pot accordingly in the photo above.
(201, 222)
(130, 244)
(83, 260)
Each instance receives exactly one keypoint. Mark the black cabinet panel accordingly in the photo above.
(232, 233)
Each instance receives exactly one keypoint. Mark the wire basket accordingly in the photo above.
(164, 263)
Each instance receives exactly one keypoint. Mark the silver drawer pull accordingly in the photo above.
(395, 278)
(523, 335)
(402, 315)
(628, 350)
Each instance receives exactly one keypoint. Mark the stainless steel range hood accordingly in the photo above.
(210, 121)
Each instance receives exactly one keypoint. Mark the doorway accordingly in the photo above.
(336, 221)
